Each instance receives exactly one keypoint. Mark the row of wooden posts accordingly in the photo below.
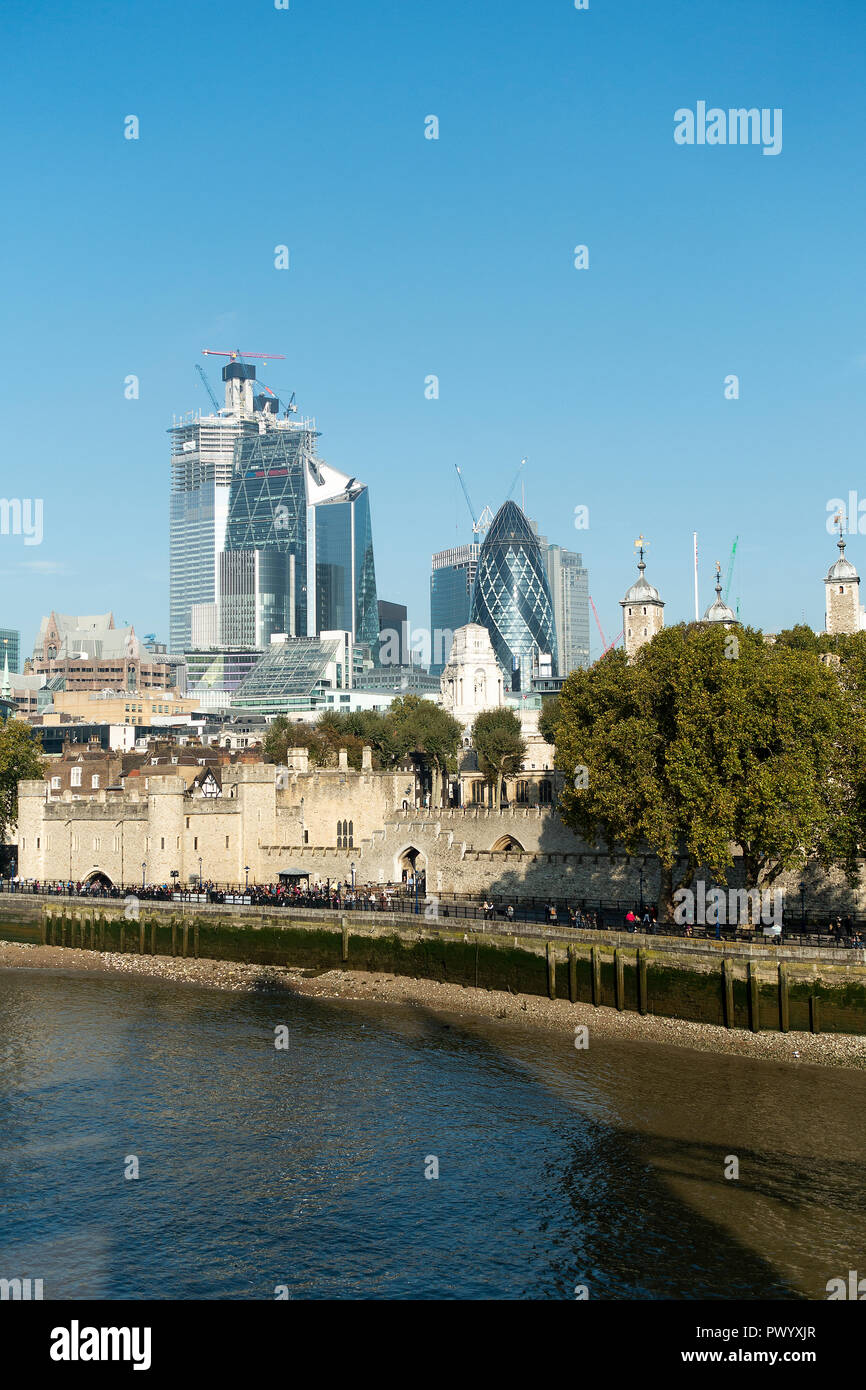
(86, 930)
(619, 957)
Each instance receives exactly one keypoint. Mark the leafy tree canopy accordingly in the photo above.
(21, 760)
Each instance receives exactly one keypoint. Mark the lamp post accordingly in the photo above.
(143, 871)
(199, 873)
(416, 890)
(247, 881)
(353, 877)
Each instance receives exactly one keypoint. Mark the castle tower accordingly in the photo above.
(642, 609)
(842, 592)
(718, 611)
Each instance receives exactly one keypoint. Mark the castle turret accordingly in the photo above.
(642, 608)
(718, 611)
(842, 593)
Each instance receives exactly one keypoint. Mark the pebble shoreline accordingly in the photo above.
(529, 1011)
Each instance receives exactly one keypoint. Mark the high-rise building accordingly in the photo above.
(511, 598)
(394, 637)
(569, 590)
(298, 557)
(202, 464)
(451, 582)
(10, 648)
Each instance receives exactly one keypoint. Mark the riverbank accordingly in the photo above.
(451, 1001)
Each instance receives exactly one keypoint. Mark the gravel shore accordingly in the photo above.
(538, 1014)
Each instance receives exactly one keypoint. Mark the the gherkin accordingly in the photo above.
(511, 597)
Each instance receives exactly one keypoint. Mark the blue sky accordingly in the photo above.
(454, 257)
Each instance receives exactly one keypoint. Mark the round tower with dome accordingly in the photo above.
(718, 611)
(642, 608)
(842, 592)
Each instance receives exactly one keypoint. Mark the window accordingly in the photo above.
(37, 841)
(521, 794)
(345, 834)
(162, 842)
(195, 842)
(94, 782)
(96, 842)
(55, 783)
(75, 777)
(545, 793)
(478, 793)
(227, 841)
(644, 612)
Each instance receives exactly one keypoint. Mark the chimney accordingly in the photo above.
(367, 759)
(344, 760)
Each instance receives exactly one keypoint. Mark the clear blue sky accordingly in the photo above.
(453, 257)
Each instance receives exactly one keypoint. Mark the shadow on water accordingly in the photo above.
(307, 1167)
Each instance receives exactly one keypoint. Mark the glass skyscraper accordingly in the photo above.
(451, 581)
(10, 649)
(569, 589)
(512, 598)
(345, 570)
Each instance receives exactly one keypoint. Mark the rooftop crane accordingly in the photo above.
(730, 573)
(236, 353)
(606, 646)
(516, 476)
(207, 386)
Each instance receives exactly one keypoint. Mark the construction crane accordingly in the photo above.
(730, 573)
(207, 386)
(516, 476)
(236, 353)
(481, 523)
(605, 645)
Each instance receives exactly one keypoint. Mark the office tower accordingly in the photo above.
(394, 637)
(202, 464)
(298, 556)
(511, 598)
(10, 648)
(569, 591)
(451, 582)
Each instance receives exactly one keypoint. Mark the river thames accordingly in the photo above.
(302, 1169)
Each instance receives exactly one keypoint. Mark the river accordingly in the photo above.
(301, 1169)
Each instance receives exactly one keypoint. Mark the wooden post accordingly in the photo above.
(814, 1015)
(65, 927)
(141, 941)
(596, 976)
(620, 979)
(784, 1017)
(102, 931)
(345, 939)
(754, 999)
(728, 990)
(196, 940)
(46, 917)
(121, 946)
(551, 971)
(153, 936)
(572, 974)
(173, 937)
(185, 939)
(642, 995)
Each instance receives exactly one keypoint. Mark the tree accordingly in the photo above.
(498, 740)
(549, 717)
(20, 761)
(421, 730)
(703, 744)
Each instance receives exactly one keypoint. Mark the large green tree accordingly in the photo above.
(498, 741)
(21, 760)
(429, 735)
(713, 739)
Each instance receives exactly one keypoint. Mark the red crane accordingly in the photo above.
(606, 646)
(236, 352)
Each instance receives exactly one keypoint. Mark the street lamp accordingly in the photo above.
(247, 872)
(143, 871)
(353, 877)
(199, 873)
